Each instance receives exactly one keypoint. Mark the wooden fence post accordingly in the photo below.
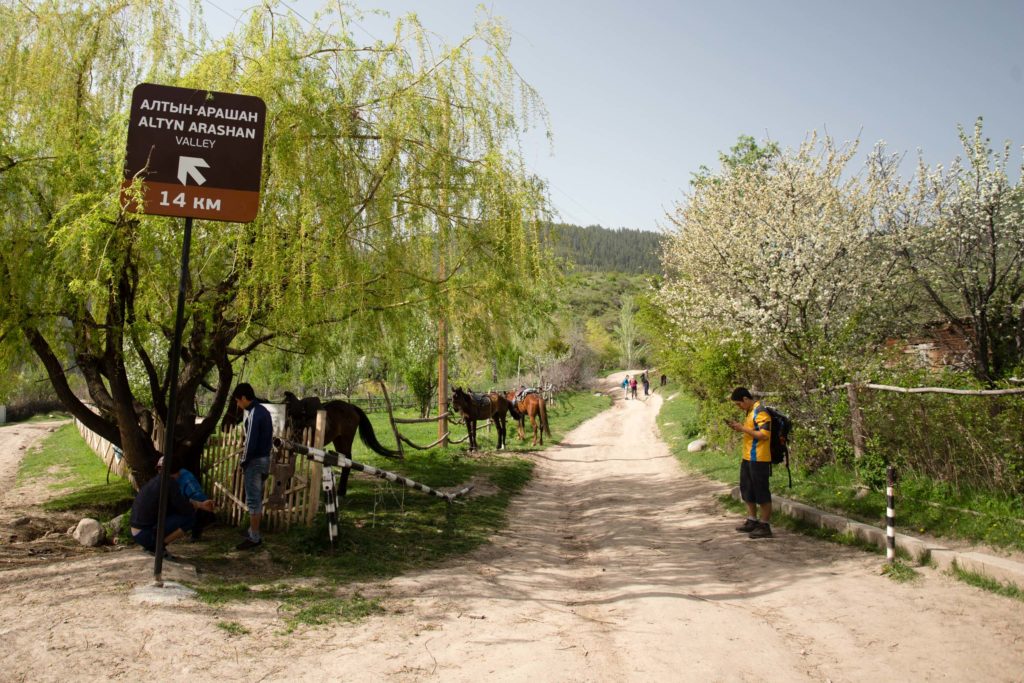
(391, 418)
(856, 421)
(316, 470)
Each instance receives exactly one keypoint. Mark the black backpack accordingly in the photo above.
(779, 441)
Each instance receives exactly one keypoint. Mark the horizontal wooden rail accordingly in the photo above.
(419, 420)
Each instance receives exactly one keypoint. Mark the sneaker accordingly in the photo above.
(762, 531)
(249, 544)
(747, 526)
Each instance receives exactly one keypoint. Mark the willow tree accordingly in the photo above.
(379, 161)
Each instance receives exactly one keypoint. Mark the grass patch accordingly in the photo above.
(923, 506)
(301, 606)
(987, 583)
(900, 572)
(321, 612)
(70, 465)
(233, 628)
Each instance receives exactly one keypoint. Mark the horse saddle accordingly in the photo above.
(482, 401)
(525, 392)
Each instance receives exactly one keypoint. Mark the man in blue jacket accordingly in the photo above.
(180, 516)
(193, 491)
(255, 463)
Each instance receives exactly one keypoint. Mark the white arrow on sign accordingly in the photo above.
(189, 166)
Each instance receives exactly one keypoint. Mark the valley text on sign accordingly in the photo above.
(198, 153)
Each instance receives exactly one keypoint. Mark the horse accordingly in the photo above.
(533, 405)
(343, 420)
(473, 407)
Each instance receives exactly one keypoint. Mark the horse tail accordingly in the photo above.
(370, 438)
(544, 416)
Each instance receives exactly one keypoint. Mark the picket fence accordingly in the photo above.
(299, 479)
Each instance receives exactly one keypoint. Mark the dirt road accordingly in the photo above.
(616, 566)
(15, 439)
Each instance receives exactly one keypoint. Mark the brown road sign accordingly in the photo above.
(199, 153)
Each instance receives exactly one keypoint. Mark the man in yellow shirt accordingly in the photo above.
(756, 464)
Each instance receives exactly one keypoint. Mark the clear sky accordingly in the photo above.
(642, 93)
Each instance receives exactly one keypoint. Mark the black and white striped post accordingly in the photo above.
(331, 504)
(890, 515)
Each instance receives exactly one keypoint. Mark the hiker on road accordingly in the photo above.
(756, 463)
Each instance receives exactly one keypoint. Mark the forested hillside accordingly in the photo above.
(602, 249)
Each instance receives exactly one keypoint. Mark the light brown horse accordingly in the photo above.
(531, 404)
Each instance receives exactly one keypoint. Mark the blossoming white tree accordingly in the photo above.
(959, 235)
(778, 251)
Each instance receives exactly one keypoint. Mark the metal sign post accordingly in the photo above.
(172, 403)
(199, 154)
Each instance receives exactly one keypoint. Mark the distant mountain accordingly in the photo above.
(602, 249)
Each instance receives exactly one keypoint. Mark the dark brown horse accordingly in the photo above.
(343, 421)
(530, 404)
(473, 407)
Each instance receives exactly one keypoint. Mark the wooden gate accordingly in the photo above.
(222, 479)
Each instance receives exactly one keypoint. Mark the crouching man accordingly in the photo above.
(181, 512)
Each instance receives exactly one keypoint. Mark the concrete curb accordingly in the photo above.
(997, 568)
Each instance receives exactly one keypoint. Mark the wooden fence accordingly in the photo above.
(108, 452)
(297, 481)
(292, 493)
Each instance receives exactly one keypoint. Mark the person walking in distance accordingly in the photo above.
(255, 463)
(632, 387)
(647, 384)
(755, 464)
(625, 387)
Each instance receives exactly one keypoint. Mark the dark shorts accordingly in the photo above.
(754, 482)
(147, 536)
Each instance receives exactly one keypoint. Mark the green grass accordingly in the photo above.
(233, 628)
(922, 506)
(330, 610)
(900, 572)
(300, 606)
(986, 583)
(70, 466)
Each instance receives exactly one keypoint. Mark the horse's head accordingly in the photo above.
(232, 416)
(460, 399)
